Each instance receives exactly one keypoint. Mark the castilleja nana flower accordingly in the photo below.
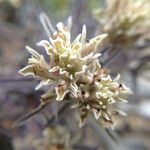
(126, 21)
(74, 73)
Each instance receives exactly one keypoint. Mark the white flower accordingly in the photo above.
(74, 72)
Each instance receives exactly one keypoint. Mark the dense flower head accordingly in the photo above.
(125, 21)
(74, 73)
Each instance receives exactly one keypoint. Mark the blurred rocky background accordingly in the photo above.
(19, 26)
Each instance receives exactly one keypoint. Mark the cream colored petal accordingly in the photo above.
(96, 66)
(84, 77)
(57, 43)
(106, 116)
(33, 52)
(69, 23)
(48, 27)
(44, 43)
(77, 39)
(61, 93)
(97, 114)
(120, 112)
(42, 83)
(43, 63)
(98, 95)
(28, 70)
(122, 100)
(92, 45)
(54, 69)
(117, 78)
(60, 26)
(106, 78)
(83, 36)
(126, 90)
(59, 72)
(74, 89)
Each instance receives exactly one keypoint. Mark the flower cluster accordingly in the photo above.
(74, 73)
(125, 21)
